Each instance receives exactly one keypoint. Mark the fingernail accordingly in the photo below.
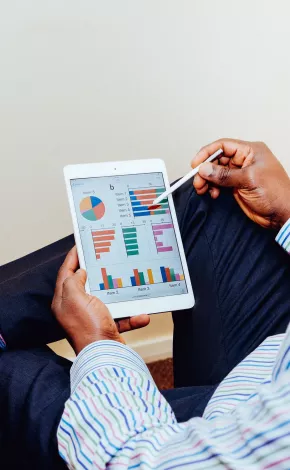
(206, 169)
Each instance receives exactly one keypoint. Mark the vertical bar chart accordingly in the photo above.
(102, 240)
(169, 275)
(142, 200)
(158, 232)
(109, 282)
(130, 240)
(139, 278)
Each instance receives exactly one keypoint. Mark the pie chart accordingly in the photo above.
(92, 208)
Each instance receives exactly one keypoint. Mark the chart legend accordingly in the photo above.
(158, 232)
(130, 240)
(142, 200)
(102, 240)
(109, 282)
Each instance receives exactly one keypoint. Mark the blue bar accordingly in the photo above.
(131, 192)
(140, 214)
(133, 281)
(102, 286)
(163, 274)
(135, 203)
(140, 208)
(133, 198)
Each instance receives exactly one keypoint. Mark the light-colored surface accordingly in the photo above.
(92, 80)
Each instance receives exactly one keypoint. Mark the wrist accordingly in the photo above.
(284, 216)
(80, 343)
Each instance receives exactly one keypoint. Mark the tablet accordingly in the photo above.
(133, 253)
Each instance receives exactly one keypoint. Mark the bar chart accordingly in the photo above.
(140, 278)
(142, 199)
(130, 240)
(109, 282)
(169, 275)
(102, 240)
(159, 230)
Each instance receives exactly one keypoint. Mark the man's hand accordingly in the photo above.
(261, 185)
(84, 317)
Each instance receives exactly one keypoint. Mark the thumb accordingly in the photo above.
(223, 175)
(81, 277)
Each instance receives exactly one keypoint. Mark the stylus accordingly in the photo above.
(183, 180)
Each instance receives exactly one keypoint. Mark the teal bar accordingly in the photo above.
(110, 281)
(132, 247)
(160, 212)
(160, 190)
(129, 229)
(129, 235)
(172, 274)
(131, 241)
(131, 253)
(142, 279)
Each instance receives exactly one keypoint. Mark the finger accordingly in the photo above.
(203, 190)
(230, 149)
(80, 277)
(224, 175)
(67, 269)
(214, 192)
(133, 323)
(199, 182)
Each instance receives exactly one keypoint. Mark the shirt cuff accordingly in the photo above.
(283, 237)
(105, 354)
(2, 343)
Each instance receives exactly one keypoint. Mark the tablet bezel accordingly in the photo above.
(131, 167)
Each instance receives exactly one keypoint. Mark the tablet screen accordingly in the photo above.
(130, 249)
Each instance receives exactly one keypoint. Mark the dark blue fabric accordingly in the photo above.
(241, 280)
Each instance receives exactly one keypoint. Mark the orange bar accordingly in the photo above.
(144, 191)
(119, 282)
(181, 277)
(102, 250)
(105, 278)
(103, 239)
(168, 276)
(97, 244)
(148, 202)
(98, 256)
(150, 276)
(140, 198)
(104, 232)
(136, 274)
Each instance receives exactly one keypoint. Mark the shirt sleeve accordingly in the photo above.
(2, 342)
(283, 237)
(117, 418)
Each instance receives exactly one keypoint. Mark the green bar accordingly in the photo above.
(110, 281)
(164, 203)
(130, 241)
(160, 212)
(131, 253)
(129, 229)
(172, 274)
(129, 235)
(160, 190)
(132, 247)
(142, 279)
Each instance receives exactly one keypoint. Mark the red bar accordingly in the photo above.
(144, 197)
(103, 239)
(168, 275)
(105, 278)
(144, 191)
(97, 244)
(104, 232)
(136, 274)
(102, 250)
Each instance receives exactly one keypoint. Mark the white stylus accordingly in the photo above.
(183, 180)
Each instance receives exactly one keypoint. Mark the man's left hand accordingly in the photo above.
(84, 317)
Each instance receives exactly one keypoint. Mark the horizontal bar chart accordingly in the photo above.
(158, 232)
(142, 200)
(102, 240)
(130, 240)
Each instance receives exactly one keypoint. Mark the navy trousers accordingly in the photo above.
(241, 281)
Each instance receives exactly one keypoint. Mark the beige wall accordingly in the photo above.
(92, 80)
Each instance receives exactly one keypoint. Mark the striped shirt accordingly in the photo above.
(117, 418)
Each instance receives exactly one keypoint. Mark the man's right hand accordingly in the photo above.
(261, 185)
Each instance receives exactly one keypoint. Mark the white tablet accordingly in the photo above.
(133, 254)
